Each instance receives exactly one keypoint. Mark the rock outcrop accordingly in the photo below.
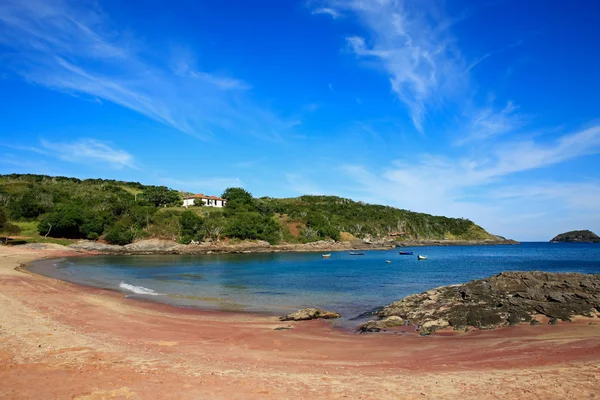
(577, 236)
(161, 246)
(382, 324)
(310, 313)
(508, 298)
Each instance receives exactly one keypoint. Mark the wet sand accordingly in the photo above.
(64, 341)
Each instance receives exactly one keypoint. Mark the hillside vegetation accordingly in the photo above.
(45, 207)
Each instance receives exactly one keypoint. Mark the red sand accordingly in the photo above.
(59, 340)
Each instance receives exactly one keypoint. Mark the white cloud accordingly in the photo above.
(475, 187)
(83, 151)
(74, 47)
(487, 122)
(413, 46)
(89, 150)
(221, 82)
(327, 11)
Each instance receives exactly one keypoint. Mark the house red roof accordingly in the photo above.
(201, 196)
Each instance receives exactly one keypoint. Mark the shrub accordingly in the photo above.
(252, 225)
(191, 227)
(118, 235)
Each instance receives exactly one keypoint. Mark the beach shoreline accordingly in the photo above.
(62, 340)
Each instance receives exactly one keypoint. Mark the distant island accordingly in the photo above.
(584, 236)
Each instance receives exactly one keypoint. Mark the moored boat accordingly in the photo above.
(355, 253)
(406, 253)
(420, 257)
(326, 255)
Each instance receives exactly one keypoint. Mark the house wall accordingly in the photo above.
(207, 203)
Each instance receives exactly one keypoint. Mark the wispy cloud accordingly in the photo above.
(86, 150)
(327, 11)
(82, 151)
(472, 186)
(491, 53)
(489, 122)
(413, 46)
(74, 47)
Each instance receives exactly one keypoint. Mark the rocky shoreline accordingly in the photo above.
(159, 246)
(506, 299)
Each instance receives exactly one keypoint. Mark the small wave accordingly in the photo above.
(139, 289)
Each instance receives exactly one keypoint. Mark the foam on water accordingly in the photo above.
(139, 289)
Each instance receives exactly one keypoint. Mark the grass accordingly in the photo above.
(28, 228)
(131, 190)
(29, 234)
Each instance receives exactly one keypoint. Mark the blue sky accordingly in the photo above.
(483, 110)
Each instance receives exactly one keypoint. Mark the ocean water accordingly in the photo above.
(279, 283)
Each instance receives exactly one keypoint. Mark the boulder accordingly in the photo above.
(94, 246)
(310, 313)
(376, 326)
(151, 245)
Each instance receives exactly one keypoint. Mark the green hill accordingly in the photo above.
(119, 212)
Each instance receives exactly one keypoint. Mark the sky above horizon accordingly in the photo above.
(482, 110)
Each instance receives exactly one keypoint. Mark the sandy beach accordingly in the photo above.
(64, 341)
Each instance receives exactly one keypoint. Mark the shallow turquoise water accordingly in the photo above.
(281, 282)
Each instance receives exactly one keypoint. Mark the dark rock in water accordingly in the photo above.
(310, 313)
(370, 313)
(553, 321)
(577, 236)
(509, 298)
(534, 322)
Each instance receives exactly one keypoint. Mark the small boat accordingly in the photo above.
(326, 255)
(406, 253)
(420, 257)
(354, 253)
(387, 261)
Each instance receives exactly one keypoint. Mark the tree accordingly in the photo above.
(198, 202)
(214, 224)
(142, 215)
(3, 218)
(161, 196)
(191, 227)
(28, 206)
(63, 222)
(121, 233)
(10, 230)
(238, 200)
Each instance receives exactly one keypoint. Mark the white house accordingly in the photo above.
(210, 201)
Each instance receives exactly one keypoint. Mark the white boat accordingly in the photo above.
(420, 257)
(388, 261)
(326, 255)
